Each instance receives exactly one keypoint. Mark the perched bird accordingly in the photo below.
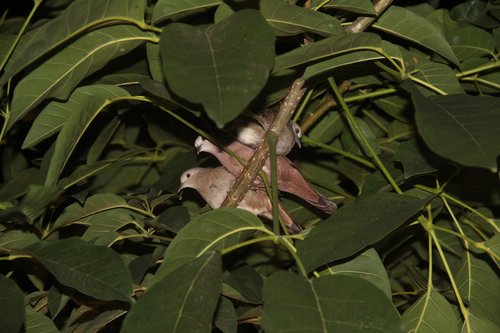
(214, 184)
(251, 131)
(290, 180)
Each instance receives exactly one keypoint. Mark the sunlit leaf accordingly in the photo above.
(76, 18)
(60, 74)
(335, 303)
(214, 230)
(403, 23)
(96, 271)
(224, 66)
(288, 19)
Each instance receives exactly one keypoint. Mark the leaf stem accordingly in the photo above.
(355, 128)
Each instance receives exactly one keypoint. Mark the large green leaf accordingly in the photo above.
(462, 128)
(469, 42)
(336, 303)
(37, 322)
(79, 16)
(214, 230)
(356, 226)
(96, 271)
(368, 266)
(60, 74)
(479, 286)
(288, 19)
(182, 301)
(56, 114)
(328, 47)
(431, 313)
(438, 76)
(224, 66)
(165, 9)
(87, 103)
(403, 23)
(93, 205)
(11, 305)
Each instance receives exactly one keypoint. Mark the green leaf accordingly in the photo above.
(438, 76)
(328, 47)
(224, 66)
(470, 42)
(11, 305)
(479, 286)
(175, 9)
(336, 303)
(417, 159)
(403, 23)
(37, 322)
(93, 205)
(37, 200)
(243, 284)
(288, 19)
(95, 271)
(78, 17)
(214, 230)
(225, 317)
(56, 114)
(103, 223)
(16, 239)
(368, 266)
(462, 128)
(327, 128)
(18, 185)
(364, 7)
(356, 226)
(182, 301)
(87, 103)
(431, 313)
(60, 74)
(493, 244)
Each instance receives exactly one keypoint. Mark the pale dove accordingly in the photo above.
(290, 180)
(214, 184)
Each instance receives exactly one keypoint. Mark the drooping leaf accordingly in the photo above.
(224, 66)
(58, 75)
(431, 313)
(335, 303)
(79, 16)
(174, 9)
(356, 226)
(225, 317)
(326, 48)
(37, 322)
(56, 114)
(243, 284)
(462, 128)
(182, 301)
(214, 230)
(368, 266)
(11, 305)
(87, 103)
(403, 23)
(93, 205)
(95, 271)
(288, 19)
(364, 7)
(479, 286)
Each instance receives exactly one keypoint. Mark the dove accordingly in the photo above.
(214, 184)
(290, 180)
(251, 132)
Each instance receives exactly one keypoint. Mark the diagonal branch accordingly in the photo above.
(255, 164)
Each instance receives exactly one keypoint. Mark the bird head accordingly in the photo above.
(189, 177)
(297, 131)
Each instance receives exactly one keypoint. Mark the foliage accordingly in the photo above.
(102, 100)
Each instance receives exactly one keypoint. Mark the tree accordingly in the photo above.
(103, 99)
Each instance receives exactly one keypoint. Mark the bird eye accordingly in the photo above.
(188, 175)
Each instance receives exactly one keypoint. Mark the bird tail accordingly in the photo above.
(292, 227)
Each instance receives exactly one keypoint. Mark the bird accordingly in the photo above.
(290, 180)
(214, 184)
(251, 131)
